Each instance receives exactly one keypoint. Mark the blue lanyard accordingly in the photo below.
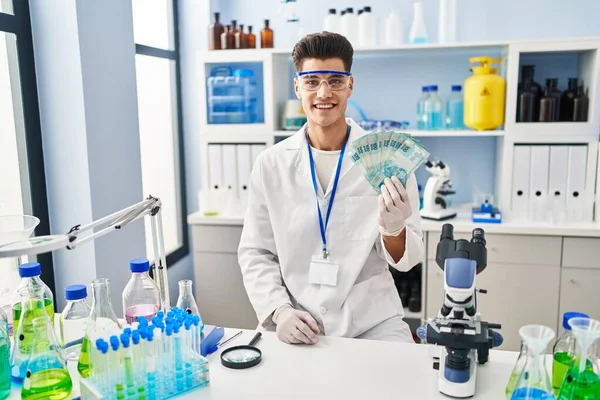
(333, 190)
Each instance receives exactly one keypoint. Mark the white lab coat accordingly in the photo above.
(281, 235)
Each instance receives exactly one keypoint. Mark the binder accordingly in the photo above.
(215, 167)
(520, 182)
(244, 167)
(230, 180)
(538, 182)
(576, 182)
(557, 179)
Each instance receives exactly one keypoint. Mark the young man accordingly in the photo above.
(317, 239)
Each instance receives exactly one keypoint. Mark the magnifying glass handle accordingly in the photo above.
(255, 339)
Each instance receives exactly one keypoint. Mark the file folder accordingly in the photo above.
(520, 181)
(538, 182)
(557, 179)
(576, 182)
(215, 166)
(244, 167)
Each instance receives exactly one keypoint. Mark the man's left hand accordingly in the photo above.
(394, 207)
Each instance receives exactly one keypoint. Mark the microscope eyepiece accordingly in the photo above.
(441, 164)
(478, 236)
(428, 164)
(447, 232)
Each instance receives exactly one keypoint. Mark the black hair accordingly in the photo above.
(322, 46)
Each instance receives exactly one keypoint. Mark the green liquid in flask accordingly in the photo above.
(16, 311)
(52, 384)
(580, 385)
(4, 369)
(83, 365)
(560, 366)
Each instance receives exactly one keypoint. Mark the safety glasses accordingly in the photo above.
(312, 80)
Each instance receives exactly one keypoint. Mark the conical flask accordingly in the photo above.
(47, 375)
(103, 322)
(534, 381)
(517, 370)
(5, 383)
(186, 300)
(582, 381)
(32, 307)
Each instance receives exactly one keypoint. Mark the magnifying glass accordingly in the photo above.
(241, 357)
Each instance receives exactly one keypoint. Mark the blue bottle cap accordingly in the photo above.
(188, 324)
(139, 265)
(114, 343)
(160, 314)
(99, 343)
(127, 331)
(150, 335)
(433, 88)
(572, 314)
(456, 88)
(135, 337)
(425, 89)
(125, 340)
(143, 321)
(29, 270)
(75, 292)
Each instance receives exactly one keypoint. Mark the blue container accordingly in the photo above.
(455, 109)
(232, 99)
(433, 109)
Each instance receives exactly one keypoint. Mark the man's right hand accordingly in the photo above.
(296, 327)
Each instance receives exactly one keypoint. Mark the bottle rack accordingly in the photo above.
(562, 59)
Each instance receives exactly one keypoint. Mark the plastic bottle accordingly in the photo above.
(241, 41)
(73, 321)
(421, 115)
(394, 35)
(564, 350)
(367, 28)
(5, 383)
(418, 31)
(215, 30)
(455, 109)
(350, 25)
(568, 101)
(186, 300)
(433, 109)
(447, 21)
(580, 106)
(251, 38)
(140, 296)
(103, 322)
(47, 375)
(30, 278)
(267, 38)
(332, 22)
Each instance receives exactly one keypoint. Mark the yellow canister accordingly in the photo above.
(484, 97)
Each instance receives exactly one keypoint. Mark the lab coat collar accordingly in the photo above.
(298, 143)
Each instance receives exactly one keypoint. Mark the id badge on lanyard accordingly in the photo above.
(322, 269)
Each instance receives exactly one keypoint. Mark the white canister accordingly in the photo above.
(447, 21)
(394, 35)
(367, 28)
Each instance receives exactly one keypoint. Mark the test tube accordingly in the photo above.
(150, 352)
(139, 363)
(177, 349)
(100, 371)
(127, 363)
(169, 359)
(115, 367)
(188, 352)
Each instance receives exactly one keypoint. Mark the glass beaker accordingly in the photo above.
(5, 383)
(103, 322)
(47, 375)
(13, 228)
(32, 307)
(582, 381)
(517, 370)
(186, 300)
(534, 381)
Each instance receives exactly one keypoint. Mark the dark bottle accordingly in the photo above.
(215, 30)
(580, 106)
(234, 27)
(527, 74)
(568, 101)
(547, 106)
(525, 112)
(241, 42)
(251, 38)
(556, 93)
(266, 36)
(227, 38)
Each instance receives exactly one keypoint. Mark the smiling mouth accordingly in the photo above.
(324, 106)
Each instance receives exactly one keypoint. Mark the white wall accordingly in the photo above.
(85, 65)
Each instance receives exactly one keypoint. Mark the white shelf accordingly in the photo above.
(420, 133)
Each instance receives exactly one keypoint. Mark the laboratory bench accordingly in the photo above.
(535, 273)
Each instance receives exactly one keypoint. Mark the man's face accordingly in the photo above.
(322, 105)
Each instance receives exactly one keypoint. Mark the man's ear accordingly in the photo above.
(297, 89)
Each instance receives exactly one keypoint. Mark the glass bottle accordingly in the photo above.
(556, 93)
(568, 101)
(455, 109)
(5, 383)
(547, 105)
(4, 321)
(241, 41)
(433, 109)
(564, 351)
(251, 38)
(534, 382)
(580, 105)
(30, 278)
(418, 31)
(234, 27)
(73, 321)
(527, 75)
(421, 116)
(103, 322)
(214, 33)
(517, 370)
(47, 375)
(32, 306)
(141, 297)
(228, 39)
(266, 37)
(526, 107)
(582, 381)
(186, 300)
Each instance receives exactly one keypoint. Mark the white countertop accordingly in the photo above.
(339, 368)
(461, 225)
